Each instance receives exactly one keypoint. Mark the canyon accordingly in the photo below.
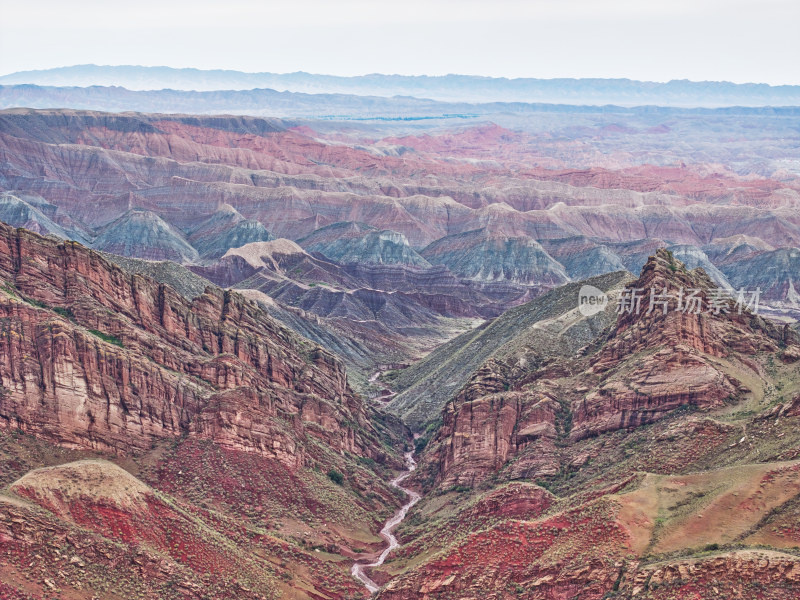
(404, 235)
(118, 367)
(562, 429)
(274, 354)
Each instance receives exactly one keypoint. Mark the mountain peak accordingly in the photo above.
(140, 233)
(680, 340)
(353, 243)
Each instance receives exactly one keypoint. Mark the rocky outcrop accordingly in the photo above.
(728, 575)
(661, 356)
(485, 433)
(647, 391)
(562, 381)
(95, 357)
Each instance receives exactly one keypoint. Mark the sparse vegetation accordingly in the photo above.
(64, 312)
(37, 303)
(9, 289)
(107, 337)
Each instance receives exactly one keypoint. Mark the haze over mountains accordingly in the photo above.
(448, 88)
(222, 332)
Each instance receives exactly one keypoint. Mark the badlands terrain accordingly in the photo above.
(224, 325)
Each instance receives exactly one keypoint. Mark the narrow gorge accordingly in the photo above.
(359, 568)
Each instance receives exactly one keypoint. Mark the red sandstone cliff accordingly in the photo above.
(521, 420)
(93, 357)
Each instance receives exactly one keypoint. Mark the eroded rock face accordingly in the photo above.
(661, 359)
(356, 243)
(95, 357)
(226, 229)
(775, 273)
(143, 234)
(646, 392)
(488, 430)
(519, 413)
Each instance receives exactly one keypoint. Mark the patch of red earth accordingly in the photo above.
(155, 524)
(574, 554)
(772, 476)
(515, 501)
(80, 564)
(330, 579)
(246, 484)
(267, 493)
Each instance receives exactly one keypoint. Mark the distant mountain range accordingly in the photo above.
(340, 107)
(449, 88)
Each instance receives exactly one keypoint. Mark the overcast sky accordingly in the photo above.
(655, 40)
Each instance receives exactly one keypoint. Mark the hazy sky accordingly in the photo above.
(657, 40)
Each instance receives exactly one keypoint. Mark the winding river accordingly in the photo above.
(358, 569)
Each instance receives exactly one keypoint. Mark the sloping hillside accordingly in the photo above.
(550, 324)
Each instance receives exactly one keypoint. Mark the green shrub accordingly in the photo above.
(336, 477)
(64, 312)
(37, 303)
(107, 337)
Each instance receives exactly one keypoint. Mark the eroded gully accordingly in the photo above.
(359, 569)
